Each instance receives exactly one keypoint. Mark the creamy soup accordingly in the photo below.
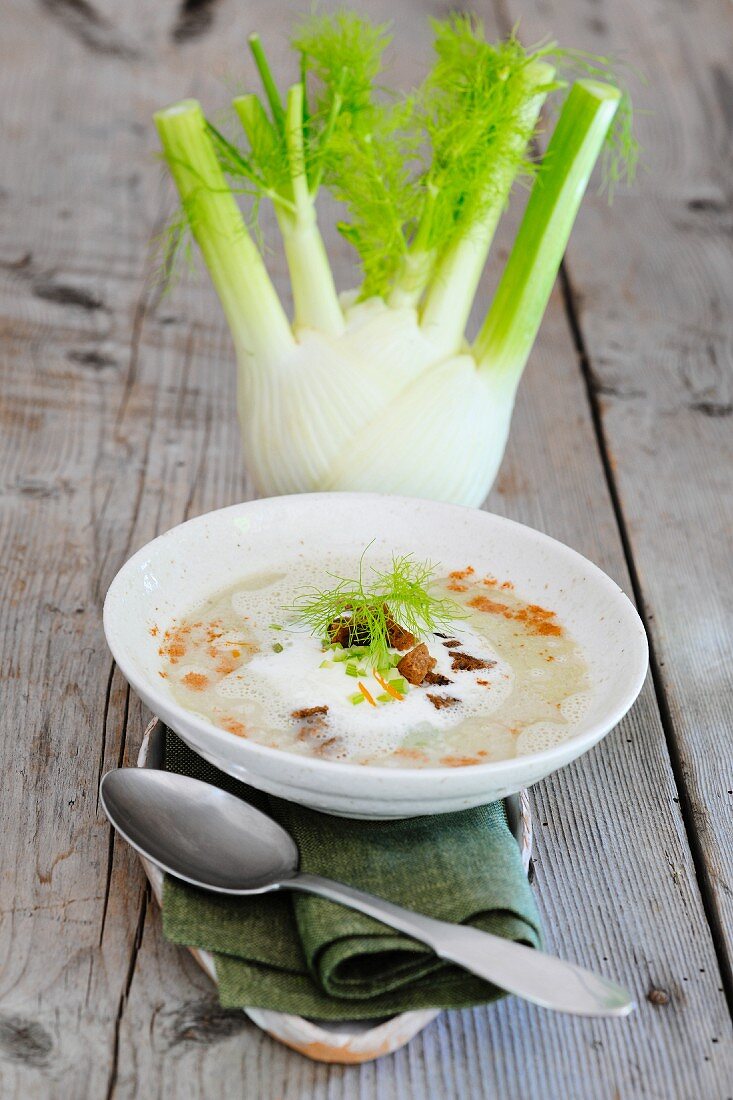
(505, 678)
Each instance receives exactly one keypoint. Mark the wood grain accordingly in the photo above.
(118, 420)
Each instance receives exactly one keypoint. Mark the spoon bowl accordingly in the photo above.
(198, 832)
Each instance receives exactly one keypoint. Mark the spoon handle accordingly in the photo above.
(533, 975)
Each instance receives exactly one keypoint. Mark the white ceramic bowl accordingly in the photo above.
(178, 571)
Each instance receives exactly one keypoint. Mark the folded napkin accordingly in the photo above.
(300, 954)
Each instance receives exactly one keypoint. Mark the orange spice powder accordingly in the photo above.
(483, 603)
(231, 725)
(536, 620)
(461, 574)
(226, 665)
(410, 754)
(174, 643)
(458, 761)
(196, 681)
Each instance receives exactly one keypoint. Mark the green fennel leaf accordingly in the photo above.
(367, 152)
(474, 111)
(402, 593)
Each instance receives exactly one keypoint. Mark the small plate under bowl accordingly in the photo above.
(181, 569)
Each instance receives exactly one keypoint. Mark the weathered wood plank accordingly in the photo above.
(659, 344)
(78, 491)
(118, 421)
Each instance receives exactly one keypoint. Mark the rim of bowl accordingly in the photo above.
(402, 774)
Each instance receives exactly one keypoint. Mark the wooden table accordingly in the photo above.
(118, 421)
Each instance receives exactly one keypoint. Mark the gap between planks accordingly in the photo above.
(125, 993)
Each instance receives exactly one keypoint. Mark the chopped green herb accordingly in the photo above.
(356, 698)
(278, 647)
(352, 670)
(326, 664)
(384, 698)
(275, 626)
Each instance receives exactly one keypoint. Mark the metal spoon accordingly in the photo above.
(214, 840)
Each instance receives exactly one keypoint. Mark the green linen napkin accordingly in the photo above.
(300, 954)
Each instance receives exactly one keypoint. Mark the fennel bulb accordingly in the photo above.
(378, 389)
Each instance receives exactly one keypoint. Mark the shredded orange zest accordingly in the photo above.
(366, 694)
(387, 687)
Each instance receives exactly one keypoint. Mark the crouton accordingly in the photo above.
(339, 632)
(349, 630)
(398, 637)
(463, 662)
(436, 679)
(416, 664)
(440, 702)
(310, 712)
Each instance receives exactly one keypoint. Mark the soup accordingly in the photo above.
(496, 678)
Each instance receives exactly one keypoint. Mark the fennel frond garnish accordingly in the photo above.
(371, 606)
